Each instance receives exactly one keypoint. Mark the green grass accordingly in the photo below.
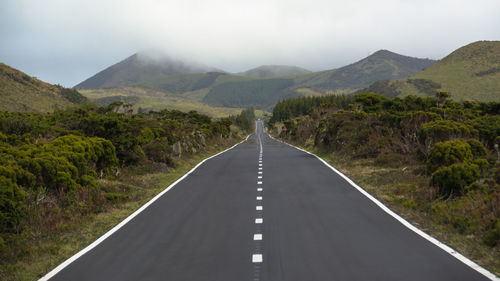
(22, 93)
(153, 99)
(469, 73)
(140, 186)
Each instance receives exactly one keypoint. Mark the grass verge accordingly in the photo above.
(132, 189)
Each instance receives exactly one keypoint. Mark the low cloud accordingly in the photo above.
(67, 41)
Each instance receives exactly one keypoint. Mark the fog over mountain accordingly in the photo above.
(66, 42)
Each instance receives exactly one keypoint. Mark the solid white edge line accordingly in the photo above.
(67, 262)
(431, 239)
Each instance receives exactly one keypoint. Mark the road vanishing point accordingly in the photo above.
(263, 210)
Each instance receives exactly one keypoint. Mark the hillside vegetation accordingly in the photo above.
(381, 65)
(433, 160)
(268, 71)
(261, 87)
(61, 170)
(470, 73)
(23, 93)
(146, 99)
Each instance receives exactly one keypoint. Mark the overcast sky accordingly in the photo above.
(66, 41)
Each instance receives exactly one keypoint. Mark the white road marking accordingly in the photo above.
(259, 189)
(259, 198)
(260, 168)
(429, 238)
(257, 258)
(260, 165)
(260, 161)
(257, 237)
(258, 208)
(259, 177)
(259, 182)
(259, 221)
(260, 173)
(126, 220)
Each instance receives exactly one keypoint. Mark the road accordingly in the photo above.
(265, 211)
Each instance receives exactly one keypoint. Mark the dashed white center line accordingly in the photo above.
(259, 182)
(259, 221)
(260, 161)
(258, 208)
(260, 165)
(259, 189)
(260, 168)
(257, 237)
(259, 177)
(260, 173)
(259, 198)
(257, 258)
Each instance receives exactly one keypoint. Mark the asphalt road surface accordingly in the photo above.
(265, 211)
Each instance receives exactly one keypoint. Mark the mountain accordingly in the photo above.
(471, 72)
(266, 71)
(143, 69)
(23, 93)
(264, 93)
(261, 87)
(381, 65)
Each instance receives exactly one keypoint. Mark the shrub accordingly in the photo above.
(443, 130)
(492, 237)
(447, 153)
(477, 148)
(451, 180)
(115, 197)
(11, 208)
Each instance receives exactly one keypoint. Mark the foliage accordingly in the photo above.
(51, 163)
(258, 93)
(290, 108)
(448, 153)
(245, 120)
(451, 180)
(452, 145)
(442, 130)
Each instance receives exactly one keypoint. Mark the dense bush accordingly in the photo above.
(448, 153)
(451, 180)
(453, 146)
(50, 163)
(443, 130)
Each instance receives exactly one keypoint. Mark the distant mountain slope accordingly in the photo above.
(262, 86)
(23, 93)
(260, 93)
(382, 65)
(142, 68)
(471, 72)
(266, 71)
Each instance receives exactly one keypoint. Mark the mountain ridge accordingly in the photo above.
(23, 93)
(265, 71)
(471, 72)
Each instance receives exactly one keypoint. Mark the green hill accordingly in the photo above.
(146, 99)
(382, 65)
(142, 68)
(261, 87)
(266, 71)
(23, 93)
(470, 73)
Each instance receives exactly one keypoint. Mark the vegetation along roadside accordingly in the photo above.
(434, 161)
(69, 176)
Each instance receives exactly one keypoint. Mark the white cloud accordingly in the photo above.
(79, 38)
